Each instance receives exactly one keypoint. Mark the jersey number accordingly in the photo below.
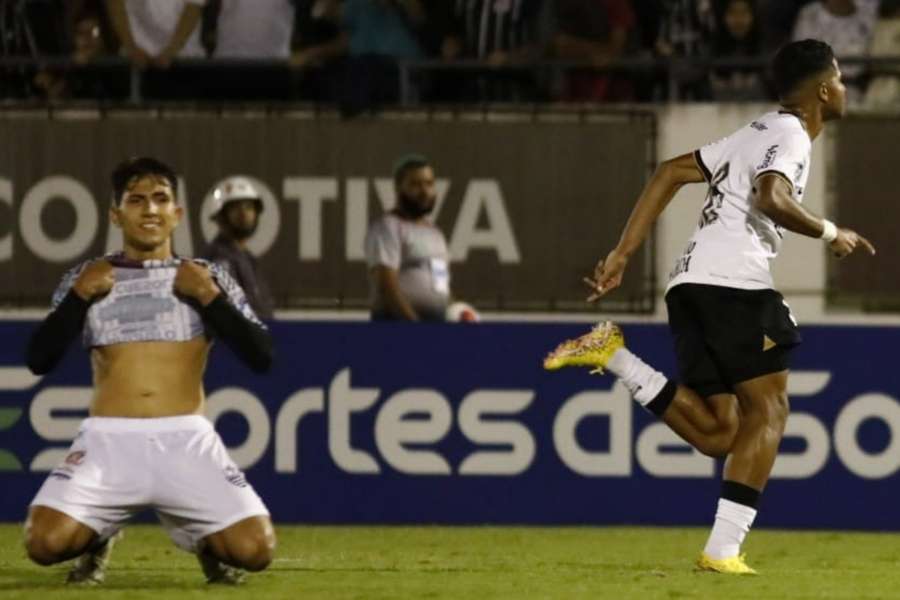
(714, 198)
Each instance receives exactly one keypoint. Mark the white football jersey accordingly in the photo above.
(734, 241)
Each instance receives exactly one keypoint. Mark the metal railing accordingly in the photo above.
(667, 71)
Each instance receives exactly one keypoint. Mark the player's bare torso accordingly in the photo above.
(149, 379)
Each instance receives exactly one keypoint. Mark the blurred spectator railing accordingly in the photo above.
(666, 76)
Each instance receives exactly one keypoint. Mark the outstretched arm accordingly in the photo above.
(774, 200)
(659, 191)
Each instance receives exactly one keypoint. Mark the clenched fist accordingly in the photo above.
(194, 280)
(95, 280)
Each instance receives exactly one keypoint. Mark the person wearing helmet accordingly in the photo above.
(236, 209)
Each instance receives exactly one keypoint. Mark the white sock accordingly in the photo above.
(643, 381)
(733, 521)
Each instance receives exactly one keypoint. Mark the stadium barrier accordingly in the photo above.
(523, 197)
(381, 423)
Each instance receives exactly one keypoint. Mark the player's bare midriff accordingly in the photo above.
(149, 379)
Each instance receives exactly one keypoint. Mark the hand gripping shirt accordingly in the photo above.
(734, 241)
(142, 305)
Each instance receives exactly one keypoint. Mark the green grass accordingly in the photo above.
(485, 563)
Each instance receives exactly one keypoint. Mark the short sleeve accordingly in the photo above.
(709, 156)
(383, 245)
(785, 155)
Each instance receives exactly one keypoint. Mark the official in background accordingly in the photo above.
(236, 210)
(409, 275)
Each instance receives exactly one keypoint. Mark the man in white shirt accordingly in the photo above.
(407, 254)
(733, 332)
(153, 32)
(847, 26)
(259, 29)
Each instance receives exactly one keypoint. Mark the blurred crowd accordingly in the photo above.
(363, 54)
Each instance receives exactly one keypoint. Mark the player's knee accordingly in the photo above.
(254, 552)
(718, 444)
(47, 547)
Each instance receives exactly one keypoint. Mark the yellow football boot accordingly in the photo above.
(733, 565)
(593, 349)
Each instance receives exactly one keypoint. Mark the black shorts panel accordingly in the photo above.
(724, 336)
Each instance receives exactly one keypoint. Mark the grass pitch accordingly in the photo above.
(484, 563)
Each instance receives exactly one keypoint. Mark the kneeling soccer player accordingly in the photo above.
(148, 318)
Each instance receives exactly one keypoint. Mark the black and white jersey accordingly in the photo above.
(734, 241)
(489, 26)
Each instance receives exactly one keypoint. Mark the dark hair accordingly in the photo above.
(138, 167)
(407, 163)
(797, 61)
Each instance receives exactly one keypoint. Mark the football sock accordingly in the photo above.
(735, 514)
(647, 386)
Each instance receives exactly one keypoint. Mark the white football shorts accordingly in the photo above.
(177, 466)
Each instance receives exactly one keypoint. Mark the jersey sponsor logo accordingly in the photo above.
(683, 264)
(769, 158)
(235, 476)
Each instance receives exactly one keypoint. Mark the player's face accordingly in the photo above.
(417, 190)
(147, 214)
(241, 217)
(835, 94)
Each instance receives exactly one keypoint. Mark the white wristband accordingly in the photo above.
(829, 233)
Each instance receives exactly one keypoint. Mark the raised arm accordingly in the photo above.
(247, 337)
(53, 336)
(774, 200)
(659, 191)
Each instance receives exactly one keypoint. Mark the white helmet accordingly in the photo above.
(231, 189)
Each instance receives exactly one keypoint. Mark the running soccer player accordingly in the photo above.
(148, 318)
(733, 332)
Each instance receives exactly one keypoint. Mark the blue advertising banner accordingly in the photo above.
(395, 423)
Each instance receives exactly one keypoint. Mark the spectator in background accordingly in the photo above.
(252, 30)
(847, 26)
(375, 34)
(884, 89)
(154, 33)
(501, 33)
(89, 44)
(736, 37)
(236, 211)
(679, 29)
(594, 32)
(317, 48)
(409, 275)
(776, 20)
